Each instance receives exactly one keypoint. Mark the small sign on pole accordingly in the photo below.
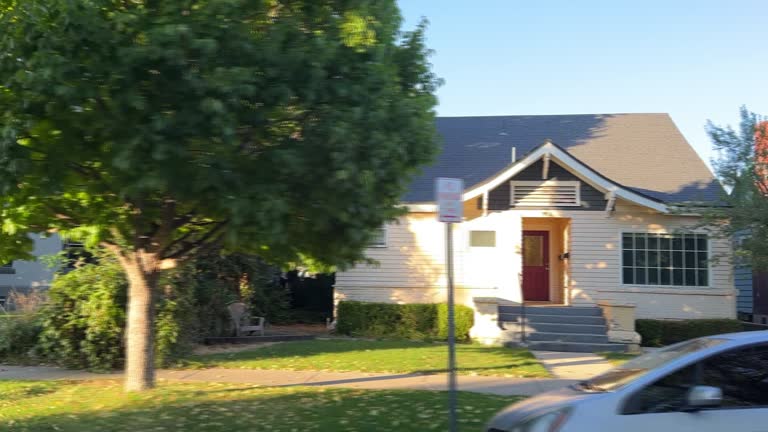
(448, 192)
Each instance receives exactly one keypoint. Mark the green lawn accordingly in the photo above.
(101, 406)
(617, 358)
(378, 356)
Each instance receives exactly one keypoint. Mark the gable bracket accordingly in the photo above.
(545, 168)
(610, 206)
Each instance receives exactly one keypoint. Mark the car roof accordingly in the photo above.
(743, 337)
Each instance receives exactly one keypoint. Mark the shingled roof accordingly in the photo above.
(645, 153)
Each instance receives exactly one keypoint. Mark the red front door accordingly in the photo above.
(536, 265)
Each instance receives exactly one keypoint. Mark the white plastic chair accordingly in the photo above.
(243, 321)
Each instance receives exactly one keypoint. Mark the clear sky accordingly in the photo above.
(696, 60)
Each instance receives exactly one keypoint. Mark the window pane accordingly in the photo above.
(639, 241)
(741, 374)
(653, 276)
(677, 259)
(629, 275)
(653, 258)
(640, 258)
(665, 242)
(626, 241)
(640, 275)
(627, 256)
(677, 277)
(379, 238)
(701, 242)
(533, 250)
(690, 242)
(668, 394)
(665, 258)
(690, 278)
(653, 241)
(703, 277)
(666, 277)
(482, 238)
(677, 243)
(703, 261)
(690, 259)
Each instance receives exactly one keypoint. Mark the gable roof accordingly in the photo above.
(644, 153)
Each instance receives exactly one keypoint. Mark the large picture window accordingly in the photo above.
(665, 259)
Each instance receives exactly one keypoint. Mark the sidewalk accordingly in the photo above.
(279, 378)
(575, 366)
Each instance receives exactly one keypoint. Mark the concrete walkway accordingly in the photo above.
(279, 378)
(573, 366)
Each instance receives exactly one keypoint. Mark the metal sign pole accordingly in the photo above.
(448, 194)
(452, 384)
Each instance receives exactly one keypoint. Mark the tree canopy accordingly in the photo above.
(742, 165)
(284, 128)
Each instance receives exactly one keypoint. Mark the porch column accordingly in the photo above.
(511, 248)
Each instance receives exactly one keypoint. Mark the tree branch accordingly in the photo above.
(187, 248)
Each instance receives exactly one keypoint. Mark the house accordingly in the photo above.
(562, 214)
(22, 276)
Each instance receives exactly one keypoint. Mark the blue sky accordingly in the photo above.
(696, 60)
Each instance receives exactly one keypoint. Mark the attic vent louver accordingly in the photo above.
(545, 193)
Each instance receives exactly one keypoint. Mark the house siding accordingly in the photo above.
(591, 198)
(32, 274)
(411, 267)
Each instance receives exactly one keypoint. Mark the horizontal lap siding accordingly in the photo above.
(743, 279)
(595, 266)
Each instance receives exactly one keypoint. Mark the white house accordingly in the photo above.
(565, 211)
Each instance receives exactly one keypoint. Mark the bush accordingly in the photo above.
(18, 336)
(82, 324)
(665, 332)
(411, 321)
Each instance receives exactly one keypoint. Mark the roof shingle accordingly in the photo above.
(643, 152)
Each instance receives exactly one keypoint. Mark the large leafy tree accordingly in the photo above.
(284, 128)
(742, 166)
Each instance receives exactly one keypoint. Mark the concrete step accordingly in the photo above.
(576, 347)
(553, 310)
(557, 328)
(566, 319)
(567, 337)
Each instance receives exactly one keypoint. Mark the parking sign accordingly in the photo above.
(448, 193)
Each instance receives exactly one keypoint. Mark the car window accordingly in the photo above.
(667, 394)
(632, 370)
(741, 374)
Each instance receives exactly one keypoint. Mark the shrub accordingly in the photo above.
(411, 321)
(82, 324)
(18, 336)
(664, 332)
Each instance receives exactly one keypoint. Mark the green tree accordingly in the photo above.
(741, 165)
(283, 128)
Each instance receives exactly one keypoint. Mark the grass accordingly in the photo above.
(102, 406)
(342, 355)
(617, 358)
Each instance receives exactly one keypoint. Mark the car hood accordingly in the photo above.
(538, 405)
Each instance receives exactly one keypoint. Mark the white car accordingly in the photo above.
(716, 383)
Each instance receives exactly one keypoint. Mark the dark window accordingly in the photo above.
(665, 395)
(665, 259)
(482, 238)
(75, 255)
(741, 374)
(7, 268)
(379, 238)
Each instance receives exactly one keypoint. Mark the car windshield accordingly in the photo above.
(636, 368)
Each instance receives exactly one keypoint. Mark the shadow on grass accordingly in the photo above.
(217, 408)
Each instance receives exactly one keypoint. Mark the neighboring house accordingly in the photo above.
(571, 210)
(23, 276)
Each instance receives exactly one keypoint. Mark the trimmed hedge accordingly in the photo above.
(657, 333)
(410, 321)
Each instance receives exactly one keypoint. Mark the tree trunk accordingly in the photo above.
(141, 270)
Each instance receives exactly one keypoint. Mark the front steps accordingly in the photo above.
(557, 328)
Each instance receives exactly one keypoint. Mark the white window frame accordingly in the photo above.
(385, 236)
(620, 250)
(574, 183)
